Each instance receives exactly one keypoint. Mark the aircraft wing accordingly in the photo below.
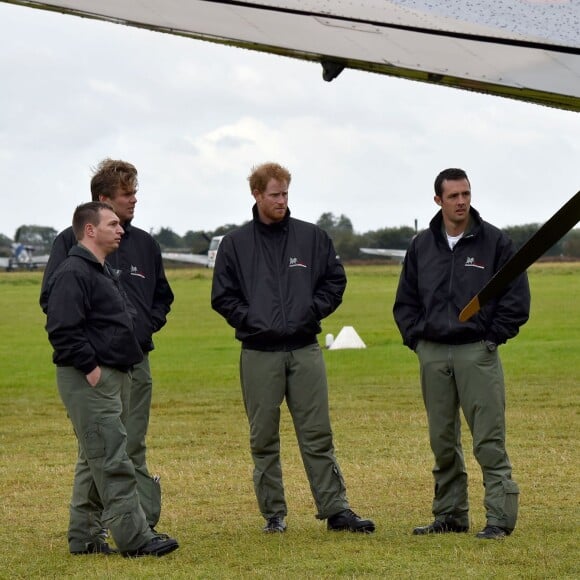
(527, 50)
(387, 253)
(27, 262)
(200, 259)
(40, 260)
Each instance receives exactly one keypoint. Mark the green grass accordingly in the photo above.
(198, 443)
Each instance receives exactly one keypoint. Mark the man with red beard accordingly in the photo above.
(275, 279)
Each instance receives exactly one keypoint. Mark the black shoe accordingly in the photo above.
(95, 548)
(347, 520)
(492, 533)
(159, 534)
(155, 547)
(449, 524)
(275, 524)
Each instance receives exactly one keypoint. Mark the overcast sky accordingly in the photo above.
(194, 117)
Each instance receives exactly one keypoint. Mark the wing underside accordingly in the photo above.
(385, 252)
(527, 50)
(200, 259)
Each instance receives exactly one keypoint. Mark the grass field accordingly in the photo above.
(198, 443)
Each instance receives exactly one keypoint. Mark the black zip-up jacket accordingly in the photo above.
(436, 283)
(139, 261)
(275, 283)
(88, 319)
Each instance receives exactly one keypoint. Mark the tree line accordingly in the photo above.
(347, 242)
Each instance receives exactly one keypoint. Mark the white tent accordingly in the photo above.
(347, 338)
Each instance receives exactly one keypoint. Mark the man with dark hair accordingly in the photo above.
(275, 278)
(138, 261)
(445, 266)
(90, 326)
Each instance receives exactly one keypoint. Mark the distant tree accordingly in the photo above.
(521, 234)
(168, 239)
(327, 222)
(222, 230)
(343, 224)
(333, 225)
(340, 229)
(5, 245)
(394, 238)
(197, 242)
(348, 243)
(571, 244)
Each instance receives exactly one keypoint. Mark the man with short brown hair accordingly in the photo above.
(445, 266)
(139, 264)
(90, 326)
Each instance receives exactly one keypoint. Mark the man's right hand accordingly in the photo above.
(94, 376)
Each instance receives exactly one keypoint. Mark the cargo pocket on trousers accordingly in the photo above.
(94, 443)
(510, 505)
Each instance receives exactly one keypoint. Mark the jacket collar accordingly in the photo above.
(275, 227)
(80, 251)
(474, 225)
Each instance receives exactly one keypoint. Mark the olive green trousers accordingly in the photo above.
(470, 377)
(299, 376)
(137, 423)
(104, 475)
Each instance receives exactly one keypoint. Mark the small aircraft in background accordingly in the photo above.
(22, 258)
(385, 253)
(390, 252)
(207, 260)
(200, 259)
(213, 250)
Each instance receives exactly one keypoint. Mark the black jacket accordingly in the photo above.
(274, 283)
(141, 269)
(436, 283)
(88, 320)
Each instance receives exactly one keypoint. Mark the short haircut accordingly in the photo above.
(452, 174)
(261, 175)
(109, 175)
(87, 213)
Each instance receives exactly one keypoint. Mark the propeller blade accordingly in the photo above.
(554, 229)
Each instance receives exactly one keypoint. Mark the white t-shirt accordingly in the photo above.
(452, 240)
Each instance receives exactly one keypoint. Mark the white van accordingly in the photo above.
(213, 250)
